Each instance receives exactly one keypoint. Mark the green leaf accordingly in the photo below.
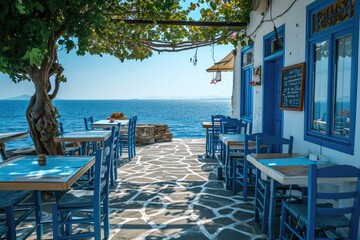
(20, 7)
(34, 56)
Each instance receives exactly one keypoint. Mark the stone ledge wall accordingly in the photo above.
(152, 133)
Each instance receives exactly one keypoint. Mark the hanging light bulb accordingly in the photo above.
(218, 76)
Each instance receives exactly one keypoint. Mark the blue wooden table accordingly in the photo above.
(84, 137)
(286, 169)
(60, 172)
(107, 124)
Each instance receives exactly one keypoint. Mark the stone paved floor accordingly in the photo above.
(168, 191)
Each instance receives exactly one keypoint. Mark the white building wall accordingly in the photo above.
(235, 98)
(295, 52)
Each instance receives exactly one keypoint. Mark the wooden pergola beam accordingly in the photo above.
(183, 23)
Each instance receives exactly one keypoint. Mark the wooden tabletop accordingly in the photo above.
(84, 136)
(9, 136)
(106, 123)
(284, 168)
(232, 139)
(208, 124)
(60, 172)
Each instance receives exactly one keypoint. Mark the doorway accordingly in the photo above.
(273, 115)
(273, 64)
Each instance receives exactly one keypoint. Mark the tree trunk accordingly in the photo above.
(43, 126)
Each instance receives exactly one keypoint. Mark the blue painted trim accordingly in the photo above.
(267, 58)
(331, 34)
(243, 100)
(270, 37)
(275, 56)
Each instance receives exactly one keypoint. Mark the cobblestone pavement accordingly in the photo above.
(169, 191)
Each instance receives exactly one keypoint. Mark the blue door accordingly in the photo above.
(272, 115)
(278, 114)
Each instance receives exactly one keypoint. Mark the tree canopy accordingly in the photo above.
(33, 31)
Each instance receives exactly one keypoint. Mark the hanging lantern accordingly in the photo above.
(218, 76)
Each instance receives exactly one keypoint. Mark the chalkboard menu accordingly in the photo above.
(292, 87)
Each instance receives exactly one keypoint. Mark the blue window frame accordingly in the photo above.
(332, 61)
(247, 66)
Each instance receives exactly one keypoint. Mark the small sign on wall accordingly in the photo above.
(292, 87)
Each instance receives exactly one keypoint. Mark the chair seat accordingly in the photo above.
(12, 197)
(322, 221)
(77, 198)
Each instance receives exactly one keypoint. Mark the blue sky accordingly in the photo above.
(168, 75)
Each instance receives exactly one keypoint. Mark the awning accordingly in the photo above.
(225, 65)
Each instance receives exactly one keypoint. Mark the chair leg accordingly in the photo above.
(112, 173)
(97, 223)
(55, 222)
(234, 184)
(245, 181)
(257, 188)
(106, 218)
(115, 168)
(283, 219)
(11, 222)
(265, 216)
(38, 214)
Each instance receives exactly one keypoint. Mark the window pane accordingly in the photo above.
(341, 122)
(320, 94)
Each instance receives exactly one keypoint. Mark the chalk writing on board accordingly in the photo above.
(292, 87)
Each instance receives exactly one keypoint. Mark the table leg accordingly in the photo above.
(38, 214)
(227, 166)
(207, 147)
(272, 206)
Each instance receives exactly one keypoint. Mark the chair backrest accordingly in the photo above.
(250, 140)
(61, 131)
(88, 123)
(249, 125)
(114, 140)
(61, 128)
(102, 171)
(335, 173)
(130, 125)
(216, 122)
(134, 125)
(273, 144)
(233, 125)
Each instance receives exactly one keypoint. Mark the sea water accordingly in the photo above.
(183, 117)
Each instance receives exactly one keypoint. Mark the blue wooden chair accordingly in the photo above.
(114, 140)
(133, 136)
(230, 126)
(242, 171)
(85, 206)
(249, 125)
(18, 207)
(269, 144)
(68, 150)
(320, 220)
(90, 147)
(127, 141)
(215, 143)
(88, 123)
